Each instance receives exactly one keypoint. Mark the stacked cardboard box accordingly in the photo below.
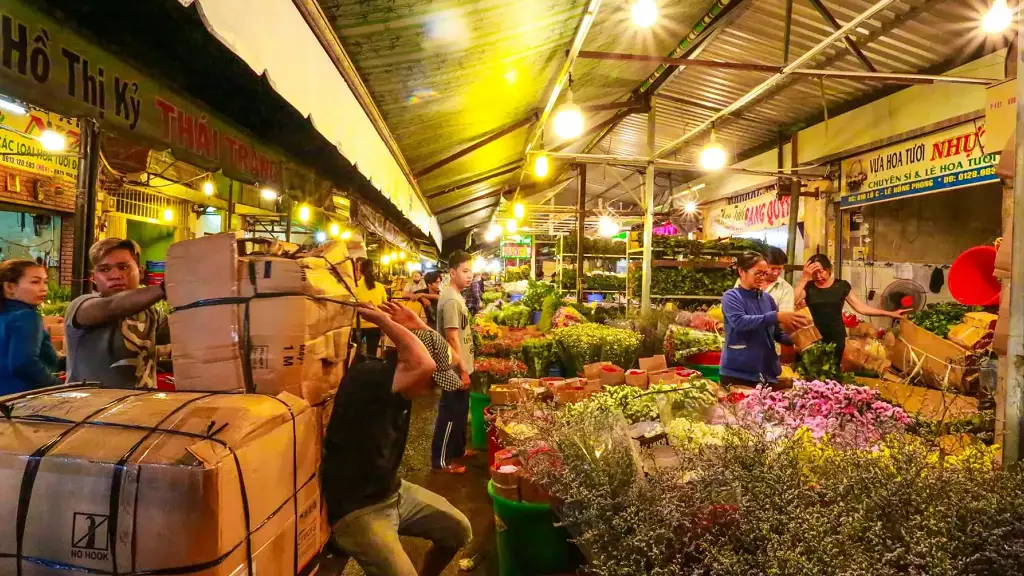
(54, 326)
(132, 482)
(259, 317)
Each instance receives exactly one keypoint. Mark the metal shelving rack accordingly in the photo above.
(635, 253)
(561, 266)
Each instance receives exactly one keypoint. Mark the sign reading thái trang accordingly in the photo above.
(944, 160)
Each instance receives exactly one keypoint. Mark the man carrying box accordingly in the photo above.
(112, 334)
(368, 506)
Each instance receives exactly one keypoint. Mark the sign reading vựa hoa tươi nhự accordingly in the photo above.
(945, 160)
(48, 64)
(753, 211)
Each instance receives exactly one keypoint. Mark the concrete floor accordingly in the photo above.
(468, 493)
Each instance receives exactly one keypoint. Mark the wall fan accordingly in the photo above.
(904, 295)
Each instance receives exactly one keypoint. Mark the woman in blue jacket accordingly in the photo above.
(27, 358)
(753, 324)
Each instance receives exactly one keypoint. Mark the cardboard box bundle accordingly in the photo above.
(942, 363)
(214, 491)
(54, 326)
(298, 330)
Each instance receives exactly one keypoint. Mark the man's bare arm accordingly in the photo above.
(97, 311)
(452, 336)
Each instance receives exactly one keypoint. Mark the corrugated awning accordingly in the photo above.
(303, 74)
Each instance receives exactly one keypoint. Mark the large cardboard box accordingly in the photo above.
(146, 482)
(285, 318)
(943, 364)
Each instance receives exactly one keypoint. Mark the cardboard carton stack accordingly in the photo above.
(146, 482)
(259, 317)
(54, 326)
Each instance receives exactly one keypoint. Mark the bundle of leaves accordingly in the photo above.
(819, 362)
(594, 246)
(539, 354)
(685, 281)
(536, 292)
(681, 247)
(490, 296)
(680, 343)
(743, 504)
(587, 343)
(938, 318)
(652, 325)
(568, 276)
(604, 281)
(514, 316)
(516, 273)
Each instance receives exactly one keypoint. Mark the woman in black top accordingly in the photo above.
(826, 295)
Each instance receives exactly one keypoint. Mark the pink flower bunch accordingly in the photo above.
(851, 416)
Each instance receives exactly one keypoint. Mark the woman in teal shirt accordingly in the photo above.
(27, 358)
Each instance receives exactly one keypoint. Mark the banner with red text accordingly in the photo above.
(751, 212)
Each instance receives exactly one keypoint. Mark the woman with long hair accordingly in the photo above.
(826, 295)
(369, 290)
(27, 358)
(753, 325)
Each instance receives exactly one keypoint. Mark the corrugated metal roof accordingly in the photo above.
(445, 73)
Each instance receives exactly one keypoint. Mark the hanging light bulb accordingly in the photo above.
(303, 213)
(690, 207)
(346, 235)
(385, 259)
(268, 194)
(540, 166)
(607, 227)
(713, 155)
(569, 118)
(645, 13)
(51, 140)
(334, 229)
(998, 18)
(401, 255)
(168, 215)
(208, 188)
(519, 210)
(394, 256)
(494, 229)
(321, 237)
(511, 226)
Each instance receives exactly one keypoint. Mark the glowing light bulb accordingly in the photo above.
(346, 235)
(208, 188)
(303, 213)
(168, 215)
(394, 255)
(607, 227)
(401, 255)
(385, 259)
(519, 210)
(51, 140)
(998, 18)
(568, 121)
(511, 226)
(713, 156)
(268, 194)
(690, 207)
(321, 237)
(334, 229)
(645, 13)
(540, 166)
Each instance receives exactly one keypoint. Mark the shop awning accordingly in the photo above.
(304, 75)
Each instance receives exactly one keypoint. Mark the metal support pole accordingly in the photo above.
(1015, 344)
(288, 220)
(85, 206)
(794, 207)
(226, 225)
(581, 220)
(645, 280)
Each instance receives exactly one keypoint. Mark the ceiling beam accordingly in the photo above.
(484, 141)
(850, 44)
(491, 194)
(484, 207)
(774, 79)
(688, 62)
(589, 15)
(469, 227)
(502, 170)
(894, 77)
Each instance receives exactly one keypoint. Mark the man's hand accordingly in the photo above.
(465, 380)
(373, 314)
(791, 321)
(404, 316)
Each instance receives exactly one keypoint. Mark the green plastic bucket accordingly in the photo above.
(529, 544)
(478, 425)
(708, 371)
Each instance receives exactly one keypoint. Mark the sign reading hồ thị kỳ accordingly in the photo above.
(945, 160)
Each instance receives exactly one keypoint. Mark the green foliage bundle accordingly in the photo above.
(686, 281)
(536, 292)
(587, 343)
(819, 362)
(940, 317)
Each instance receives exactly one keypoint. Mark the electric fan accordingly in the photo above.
(903, 295)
